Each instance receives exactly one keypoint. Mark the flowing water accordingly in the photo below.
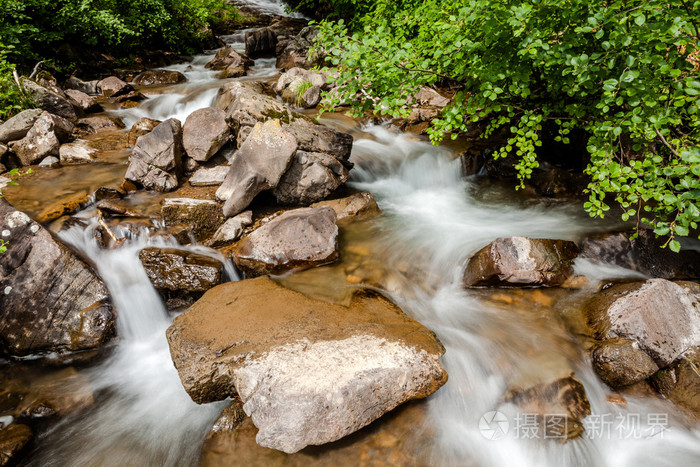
(433, 220)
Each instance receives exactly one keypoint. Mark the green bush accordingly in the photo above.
(624, 72)
(12, 99)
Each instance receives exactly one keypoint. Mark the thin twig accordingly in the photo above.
(663, 140)
(35, 71)
(16, 77)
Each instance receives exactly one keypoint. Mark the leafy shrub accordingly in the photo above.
(12, 99)
(625, 72)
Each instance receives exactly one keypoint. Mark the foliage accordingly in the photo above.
(301, 89)
(625, 72)
(12, 99)
(12, 174)
(31, 30)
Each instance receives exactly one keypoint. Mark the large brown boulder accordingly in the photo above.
(307, 371)
(521, 262)
(294, 52)
(91, 125)
(156, 161)
(661, 317)
(311, 177)
(50, 301)
(159, 78)
(620, 363)
(230, 62)
(175, 270)
(82, 101)
(680, 382)
(113, 87)
(49, 100)
(302, 87)
(43, 139)
(357, 207)
(204, 133)
(258, 165)
(297, 239)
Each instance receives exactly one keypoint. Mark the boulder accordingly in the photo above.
(661, 317)
(156, 161)
(564, 398)
(77, 152)
(357, 207)
(113, 87)
(50, 301)
(204, 133)
(144, 125)
(43, 139)
(230, 62)
(231, 230)
(174, 270)
(295, 52)
(159, 78)
(50, 162)
(88, 87)
(260, 42)
(521, 262)
(318, 138)
(18, 126)
(643, 254)
(620, 363)
(308, 372)
(302, 87)
(48, 100)
(82, 101)
(311, 178)
(258, 165)
(297, 239)
(245, 106)
(91, 125)
(680, 382)
(430, 97)
(201, 216)
(13, 440)
(129, 100)
(213, 176)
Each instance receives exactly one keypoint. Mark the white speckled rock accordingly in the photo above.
(307, 371)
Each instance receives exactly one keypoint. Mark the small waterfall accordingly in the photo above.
(143, 415)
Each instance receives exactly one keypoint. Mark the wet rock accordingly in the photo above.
(202, 216)
(62, 205)
(189, 165)
(392, 440)
(661, 317)
(77, 152)
(144, 125)
(295, 52)
(564, 397)
(82, 101)
(156, 161)
(58, 393)
(130, 99)
(302, 87)
(49, 100)
(13, 439)
(680, 382)
(258, 165)
(297, 239)
(261, 341)
(88, 87)
(213, 176)
(179, 270)
(50, 301)
(204, 133)
(620, 362)
(43, 139)
(108, 192)
(50, 162)
(260, 42)
(311, 178)
(319, 138)
(159, 78)
(113, 87)
(230, 62)
(359, 206)
(113, 209)
(643, 254)
(521, 262)
(231, 230)
(18, 126)
(91, 125)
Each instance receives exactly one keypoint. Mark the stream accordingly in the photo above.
(433, 220)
